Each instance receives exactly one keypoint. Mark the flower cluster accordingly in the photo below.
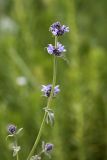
(14, 132)
(57, 29)
(12, 129)
(48, 147)
(56, 51)
(46, 89)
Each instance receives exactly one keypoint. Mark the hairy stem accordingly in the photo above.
(48, 105)
(15, 143)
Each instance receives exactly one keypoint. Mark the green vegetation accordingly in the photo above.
(80, 130)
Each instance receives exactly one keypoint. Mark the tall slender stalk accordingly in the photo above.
(17, 156)
(48, 105)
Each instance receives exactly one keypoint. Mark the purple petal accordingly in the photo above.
(56, 89)
(65, 29)
(50, 49)
(60, 47)
(55, 31)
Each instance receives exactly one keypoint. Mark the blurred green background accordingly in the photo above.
(80, 131)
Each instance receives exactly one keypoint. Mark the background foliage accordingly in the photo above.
(80, 131)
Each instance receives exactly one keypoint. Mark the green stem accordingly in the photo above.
(17, 156)
(48, 105)
(15, 143)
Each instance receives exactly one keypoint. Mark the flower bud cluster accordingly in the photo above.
(12, 129)
(57, 30)
(46, 89)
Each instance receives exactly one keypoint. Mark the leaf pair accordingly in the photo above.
(50, 118)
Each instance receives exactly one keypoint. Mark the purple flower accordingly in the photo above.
(47, 90)
(48, 147)
(12, 129)
(57, 29)
(56, 51)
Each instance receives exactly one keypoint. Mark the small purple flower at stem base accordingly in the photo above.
(47, 90)
(48, 147)
(12, 129)
(56, 50)
(57, 29)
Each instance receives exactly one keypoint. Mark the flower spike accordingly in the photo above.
(57, 29)
(57, 51)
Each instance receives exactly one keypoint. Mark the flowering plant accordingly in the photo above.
(49, 91)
